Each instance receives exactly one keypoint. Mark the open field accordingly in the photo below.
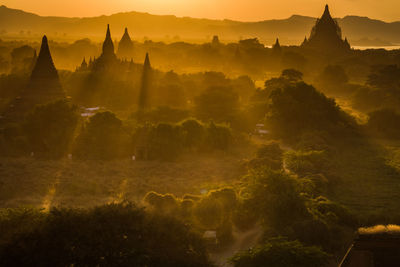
(41, 183)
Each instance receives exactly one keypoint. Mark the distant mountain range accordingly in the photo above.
(359, 30)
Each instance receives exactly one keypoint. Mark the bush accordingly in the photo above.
(111, 235)
(103, 137)
(279, 252)
(50, 128)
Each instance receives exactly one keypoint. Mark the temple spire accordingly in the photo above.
(44, 66)
(108, 45)
(145, 87)
(327, 13)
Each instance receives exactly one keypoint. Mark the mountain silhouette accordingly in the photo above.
(292, 29)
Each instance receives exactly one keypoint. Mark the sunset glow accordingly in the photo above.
(245, 10)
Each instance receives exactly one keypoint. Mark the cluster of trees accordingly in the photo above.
(110, 235)
(381, 90)
(217, 210)
(56, 129)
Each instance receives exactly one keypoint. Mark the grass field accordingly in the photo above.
(42, 183)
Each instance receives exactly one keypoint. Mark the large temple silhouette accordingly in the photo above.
(43, 86)
(108, 60)
(326, 35)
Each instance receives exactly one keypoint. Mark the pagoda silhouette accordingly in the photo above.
(43, 86)
(108, 58)
(125, 46)
(326, 35)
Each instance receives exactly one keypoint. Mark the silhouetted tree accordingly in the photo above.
(50, 128)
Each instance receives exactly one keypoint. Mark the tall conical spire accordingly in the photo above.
(44, 66)
(108, 45)
(327, 13)
(277, 44)
(145, 86)
(43, 87)
(276, 48)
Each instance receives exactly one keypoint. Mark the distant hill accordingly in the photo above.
(17, 23)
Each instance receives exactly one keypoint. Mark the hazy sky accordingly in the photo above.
(245, 10)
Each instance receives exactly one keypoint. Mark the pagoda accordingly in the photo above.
(107, 59)
(43, 86)
(326, 35)
(125, 46)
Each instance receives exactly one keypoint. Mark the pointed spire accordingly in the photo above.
(277, 44)
(44, 67)
(327, 13)
(147, 62)
(84, 65)
(145, 86)
(108, 45)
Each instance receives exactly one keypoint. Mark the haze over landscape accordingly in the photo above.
(291, 29)
(225, 133)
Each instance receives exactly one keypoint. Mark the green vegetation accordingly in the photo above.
(280, 252)
(115, 234)
(218, 167)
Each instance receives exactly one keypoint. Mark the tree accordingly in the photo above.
(50, 128)
(103, 137)
(299, 107)
(220, 104)
(110, 235)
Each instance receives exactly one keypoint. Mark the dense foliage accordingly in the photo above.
(111, 235)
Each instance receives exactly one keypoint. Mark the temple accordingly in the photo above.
(326, 35)
(125, 46)
(43, 87)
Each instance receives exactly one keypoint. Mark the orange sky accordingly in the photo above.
(245, 10)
